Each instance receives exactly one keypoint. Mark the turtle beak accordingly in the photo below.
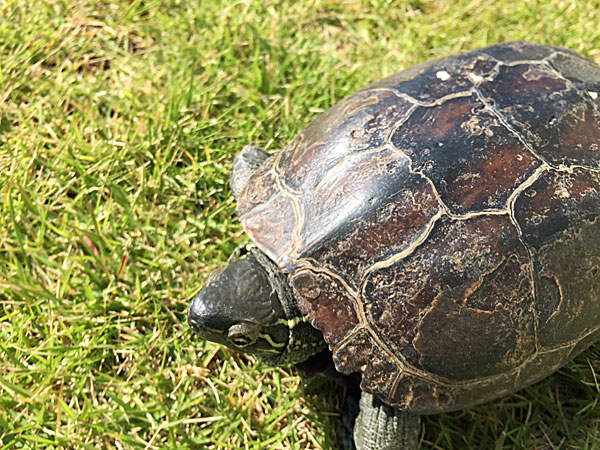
(202, 315)
(209, 314)
(199, 307)
(194, 314)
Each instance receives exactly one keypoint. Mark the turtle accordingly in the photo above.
(437, 230)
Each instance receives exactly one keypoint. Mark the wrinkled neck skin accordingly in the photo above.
(250, 307)
(303, 339)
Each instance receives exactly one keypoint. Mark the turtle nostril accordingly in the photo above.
(196, 325)
(192, 319)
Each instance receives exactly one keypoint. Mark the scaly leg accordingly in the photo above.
(381, 427)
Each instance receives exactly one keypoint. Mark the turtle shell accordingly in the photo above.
(441, 226)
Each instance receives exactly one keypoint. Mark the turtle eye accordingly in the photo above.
(243, 334)
(241, 340)
(240, 335)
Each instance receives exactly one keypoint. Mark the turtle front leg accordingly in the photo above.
(245, 164)
(381, 427)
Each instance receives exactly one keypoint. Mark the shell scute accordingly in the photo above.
(377, 365)
(442, 77)
(557, 121)
(580, 71)
(455, 293)
(330, 306)
(275, 221)
(263, 188)
(373, 223)
(421, 396)
(469, 155)
(558, 201)
(560, 223)
(360, 122)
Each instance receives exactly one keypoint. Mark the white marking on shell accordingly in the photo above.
(593, 94)
(442, 75)
(475, 78)
(562, 192)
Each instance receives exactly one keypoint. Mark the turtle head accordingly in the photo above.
(244, 308)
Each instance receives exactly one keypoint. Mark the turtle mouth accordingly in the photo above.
(209, 319)
(200, 317)
(193, 321)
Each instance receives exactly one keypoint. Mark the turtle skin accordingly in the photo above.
(441, 226)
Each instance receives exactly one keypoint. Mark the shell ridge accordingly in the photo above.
(403, 253)
(445, 208)
(505, 122)
(331, 172)
(348, 338)
(432, 104)
(529, 62)
(530, 269)
(298, 212)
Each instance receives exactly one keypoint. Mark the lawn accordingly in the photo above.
(118, 124)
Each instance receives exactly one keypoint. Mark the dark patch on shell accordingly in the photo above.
(556, 120)
(467, 153)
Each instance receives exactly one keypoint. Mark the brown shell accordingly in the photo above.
(441, 226)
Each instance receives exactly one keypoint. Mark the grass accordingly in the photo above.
(118, 123)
